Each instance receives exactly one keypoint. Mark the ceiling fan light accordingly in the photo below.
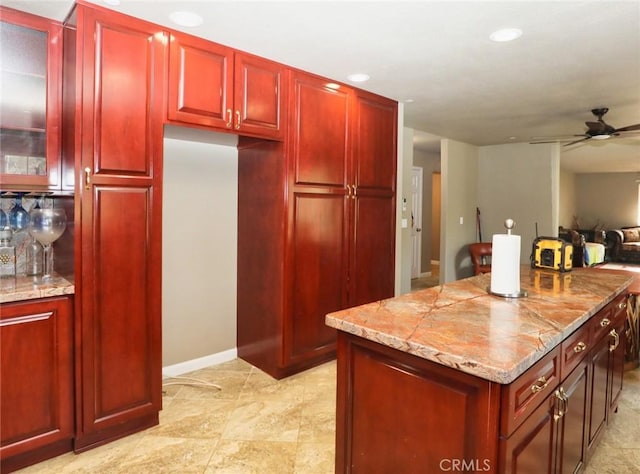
(505, 34)
(601, 137)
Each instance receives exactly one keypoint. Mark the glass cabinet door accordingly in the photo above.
(29, 101)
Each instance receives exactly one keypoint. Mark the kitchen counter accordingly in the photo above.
(460, 325)
(452, 378)
(28, 288)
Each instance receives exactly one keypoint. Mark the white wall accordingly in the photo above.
(199, 250)
(607, 199)
(403, 235)
(519, 181)
(568, 202)
(459, 163)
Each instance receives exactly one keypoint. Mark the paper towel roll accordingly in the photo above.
(505, 264)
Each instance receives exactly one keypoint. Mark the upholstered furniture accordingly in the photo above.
(625, 244)
(586, 255)
(480, 257)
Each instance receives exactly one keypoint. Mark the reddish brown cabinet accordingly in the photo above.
(211, 85)
(118, 151)
(36, 388)
(429, 415)
(319, 204)
(30, 127)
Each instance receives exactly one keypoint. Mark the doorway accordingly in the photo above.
(435, 222)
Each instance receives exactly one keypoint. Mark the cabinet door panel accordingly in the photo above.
(120, 226)
(319, 133)
(200, 78)
(374, 142)
(372, 255)
(120, 335)
(574, 422)
(122, 114)
(317, 279)
(30, 103)
(598, 389)
(37, 378)
(258, 95)
(531, 448)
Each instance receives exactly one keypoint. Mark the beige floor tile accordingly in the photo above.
(315, 458)
(262, 387)
(103, 459)
(264, 421)
(614, 461)
(193, 418)
(159, 455)
(253, 457)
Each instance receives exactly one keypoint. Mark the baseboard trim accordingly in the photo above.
(199, 363)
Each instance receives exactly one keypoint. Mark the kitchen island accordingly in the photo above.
(452, 378)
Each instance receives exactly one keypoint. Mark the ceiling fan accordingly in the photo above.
(599, 130)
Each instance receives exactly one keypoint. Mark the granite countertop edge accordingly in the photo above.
(24, 288)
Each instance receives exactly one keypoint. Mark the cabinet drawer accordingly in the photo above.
(523, 395)
(574, 348)
(605, 319)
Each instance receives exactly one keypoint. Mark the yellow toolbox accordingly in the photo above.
(552, 253)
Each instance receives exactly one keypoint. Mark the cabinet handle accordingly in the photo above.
(87, 178)
(605, 322)
(355, 192)
(563, 404)
(238, 121)
(581, 346)
(229, 118)
(622, 305)
(348, 191)
(616, 340)
(539, 385)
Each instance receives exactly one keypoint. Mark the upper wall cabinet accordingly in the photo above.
(214, 86)
(30, 71)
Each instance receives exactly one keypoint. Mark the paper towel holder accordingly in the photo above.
(509, 224)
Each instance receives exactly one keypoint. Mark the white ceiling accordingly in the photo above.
(572, 57)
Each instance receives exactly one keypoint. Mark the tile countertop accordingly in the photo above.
(460, 325)
(27, 288)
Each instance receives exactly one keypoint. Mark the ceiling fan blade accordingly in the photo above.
(629, 128)
(596, 127)
(577, 141)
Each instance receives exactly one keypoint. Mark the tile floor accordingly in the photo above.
(256, 424)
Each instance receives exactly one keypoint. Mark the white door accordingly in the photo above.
(416, 221)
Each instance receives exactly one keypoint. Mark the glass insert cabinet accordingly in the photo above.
(30, 102)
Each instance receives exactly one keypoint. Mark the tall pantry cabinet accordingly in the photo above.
(316, 223)
(113, 73)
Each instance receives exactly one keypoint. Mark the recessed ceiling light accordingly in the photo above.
(408, 101)
(505, 34)
(184, 18)
(113, 3)
(358, 77)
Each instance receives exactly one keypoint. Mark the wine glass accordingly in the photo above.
(46, 226)
(18, 216)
